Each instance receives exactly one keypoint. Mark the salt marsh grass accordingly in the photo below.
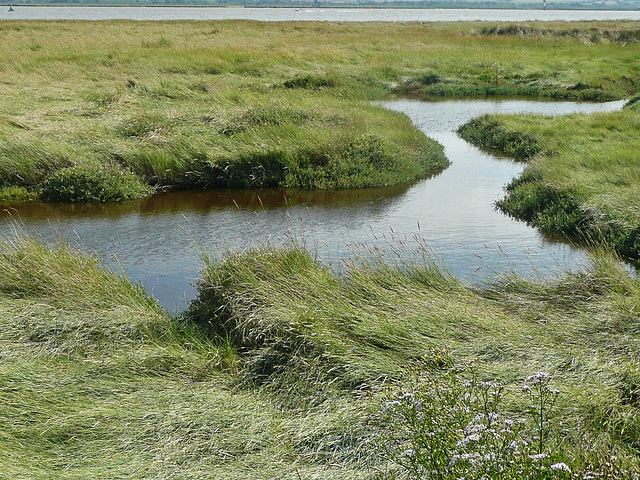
(582, 176)
(279, 367)
(198, 105)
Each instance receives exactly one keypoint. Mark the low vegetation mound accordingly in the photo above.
(490, 135)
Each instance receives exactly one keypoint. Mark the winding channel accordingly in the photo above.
(449, 217)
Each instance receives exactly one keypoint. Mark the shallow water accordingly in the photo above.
(309, 14)
(158, 240)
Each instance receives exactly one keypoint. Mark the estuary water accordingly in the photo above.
(309, 14)
(450, 217)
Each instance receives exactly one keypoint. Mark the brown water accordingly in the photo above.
(158, 240)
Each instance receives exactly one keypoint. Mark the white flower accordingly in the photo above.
(494, 417)
(539, 378)
(465, 441)
(392, 405)
(471, 428)
(465, 457)
(538, 456)
(562, 467)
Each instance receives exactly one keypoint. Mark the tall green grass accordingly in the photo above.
(300, 329)
(278, 369)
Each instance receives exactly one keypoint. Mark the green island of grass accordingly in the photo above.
(582, 176)
(281, 368)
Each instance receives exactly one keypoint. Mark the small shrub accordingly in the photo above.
(15, 194)
(89, 183)
(544, 206)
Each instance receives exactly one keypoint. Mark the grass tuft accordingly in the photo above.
(85, 183)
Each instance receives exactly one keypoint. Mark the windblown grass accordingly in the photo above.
(276, 369)
(98, 381)
(300, 329)
(582, 177)
(197, 105)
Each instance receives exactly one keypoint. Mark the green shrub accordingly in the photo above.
(90, 183)
(544, 206)
(15, 194)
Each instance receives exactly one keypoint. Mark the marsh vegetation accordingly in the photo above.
(246, 104)
(281, 367)
(581, 178)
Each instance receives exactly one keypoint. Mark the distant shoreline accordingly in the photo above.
(573, 6)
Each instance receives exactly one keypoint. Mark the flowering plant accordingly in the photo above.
(446, 423)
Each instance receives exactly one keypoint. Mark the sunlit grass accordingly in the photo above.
(278, 367)
(279, 364)
(183, 104)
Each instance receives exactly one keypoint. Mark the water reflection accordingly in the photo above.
(203, 202)
(158, 241)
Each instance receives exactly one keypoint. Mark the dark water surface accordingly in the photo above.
(309, 14)
(158, 240)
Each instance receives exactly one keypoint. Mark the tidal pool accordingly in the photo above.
(449, 218)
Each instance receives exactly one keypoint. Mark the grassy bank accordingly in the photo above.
(582, 175)
(279, 367)
(112, 110)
